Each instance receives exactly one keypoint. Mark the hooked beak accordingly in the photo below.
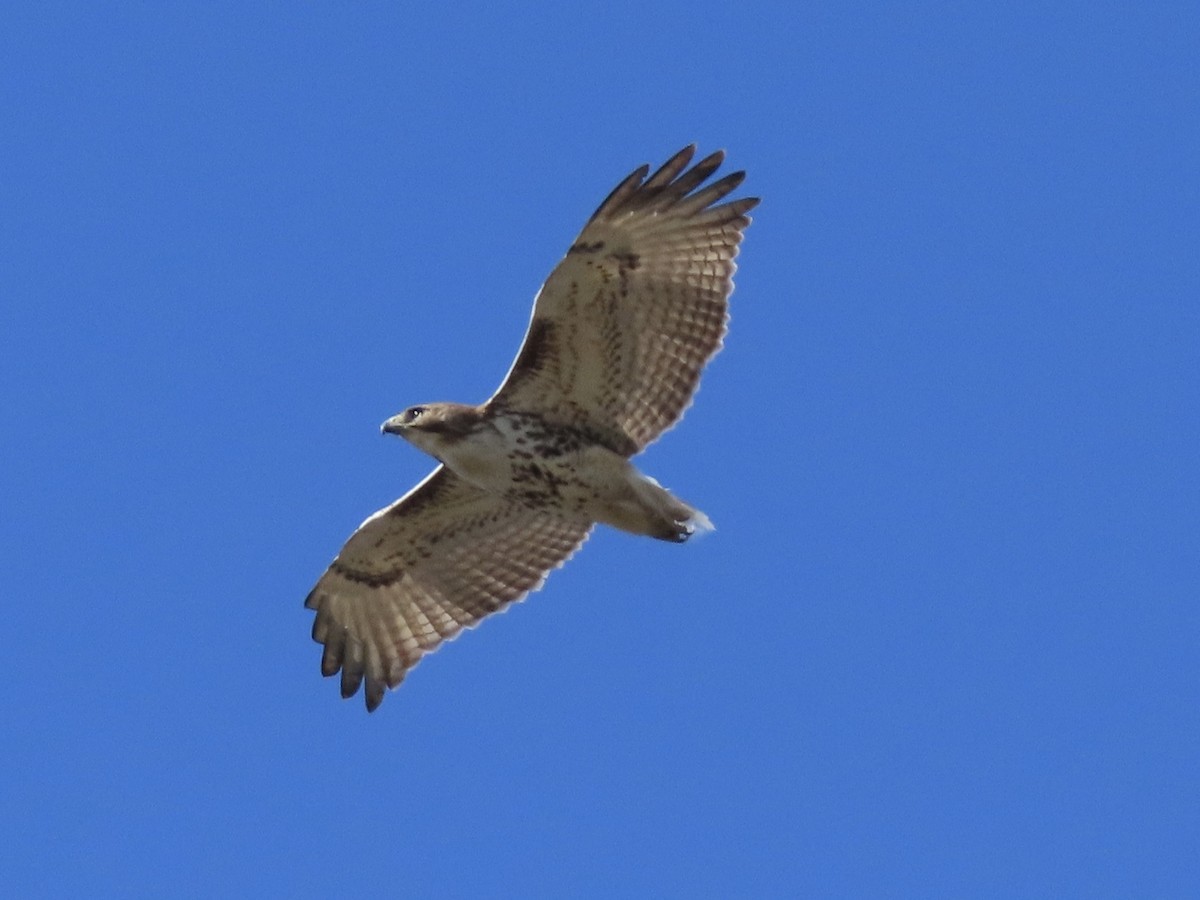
(392, 426)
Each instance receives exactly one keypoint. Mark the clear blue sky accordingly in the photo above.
(945, 639)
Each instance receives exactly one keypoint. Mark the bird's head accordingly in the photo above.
(432, 426)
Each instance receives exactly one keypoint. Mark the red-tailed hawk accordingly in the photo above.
(620, 333)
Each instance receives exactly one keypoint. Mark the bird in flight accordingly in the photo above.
(619, 335)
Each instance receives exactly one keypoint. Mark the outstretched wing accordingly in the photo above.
(416, 573)
(625, 323)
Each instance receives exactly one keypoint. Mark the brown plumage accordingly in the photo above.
(620, 333)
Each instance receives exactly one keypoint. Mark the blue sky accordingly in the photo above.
(944, 641)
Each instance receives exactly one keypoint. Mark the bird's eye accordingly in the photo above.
(412, 414)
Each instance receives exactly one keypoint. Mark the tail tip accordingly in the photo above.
(698, 524)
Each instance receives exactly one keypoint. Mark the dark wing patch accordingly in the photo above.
(537, 350)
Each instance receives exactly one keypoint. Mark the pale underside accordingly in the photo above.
(620, 333)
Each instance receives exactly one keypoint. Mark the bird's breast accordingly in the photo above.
(481, 458)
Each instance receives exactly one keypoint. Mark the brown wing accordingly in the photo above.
(416, 573)
(625, 323)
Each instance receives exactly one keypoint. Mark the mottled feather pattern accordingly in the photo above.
(383, 604)
(619, 335)
(637, 307)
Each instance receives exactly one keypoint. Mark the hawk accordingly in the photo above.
(619, 335)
